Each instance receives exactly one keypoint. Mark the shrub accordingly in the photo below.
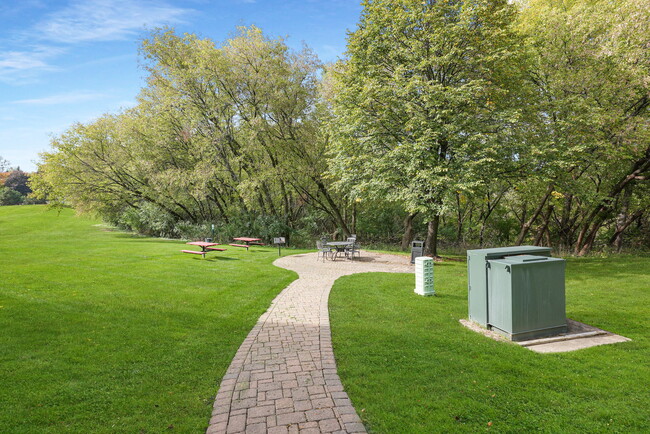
(192, 231)
(259, 226)
(148, 219)
(9, 196)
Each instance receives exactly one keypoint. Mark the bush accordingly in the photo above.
(30, 200)
(148, 219)
(259, 226)
(192, 231)
(9, 196)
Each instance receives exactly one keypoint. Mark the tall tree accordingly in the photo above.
(218, 132)
(590, 69)
(423, 102)
(253, 103)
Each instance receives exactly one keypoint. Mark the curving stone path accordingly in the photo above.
(283, 378)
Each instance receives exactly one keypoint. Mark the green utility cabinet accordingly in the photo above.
(526, 296)
(477, 277)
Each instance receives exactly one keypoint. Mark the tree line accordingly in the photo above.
(466, 122)
(14, 186)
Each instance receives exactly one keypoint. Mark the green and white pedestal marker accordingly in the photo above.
(424, 276)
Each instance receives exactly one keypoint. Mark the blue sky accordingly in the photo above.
(71, 61)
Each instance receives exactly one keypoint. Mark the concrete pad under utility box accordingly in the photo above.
(578, 336)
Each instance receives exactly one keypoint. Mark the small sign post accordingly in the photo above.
(279, 241)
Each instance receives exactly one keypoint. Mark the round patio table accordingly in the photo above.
(340, 247)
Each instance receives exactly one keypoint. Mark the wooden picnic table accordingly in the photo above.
(205, 248)
(248, 240)
(202, 244)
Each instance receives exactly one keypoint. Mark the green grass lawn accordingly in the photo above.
(107, 332)
(410, 367)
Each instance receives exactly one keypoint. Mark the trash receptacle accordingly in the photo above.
(417, 250)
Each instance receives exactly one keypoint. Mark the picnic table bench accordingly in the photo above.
(246, 246)
(248, 242)
(195, 252)
(205, 248)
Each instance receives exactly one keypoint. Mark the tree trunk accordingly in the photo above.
(408, 231)
(543, 229)
(459, 220)
(621, 219)
(617, 239)
(491, 205)
(591, 238)
(599, 214)
(336, 213)
(431, 244)
(547, 234)
(481, 233)
(526, 226)
(286, 202)
(566, 225)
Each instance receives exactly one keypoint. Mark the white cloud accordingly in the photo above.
(106, 20)
(106, 60)
(29, 58)
(66, 98)
(81, 21)
(17, 60)
(20, 66)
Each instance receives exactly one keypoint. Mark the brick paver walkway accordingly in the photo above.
(283, 378)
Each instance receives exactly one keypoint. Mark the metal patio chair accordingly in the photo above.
(323, 250)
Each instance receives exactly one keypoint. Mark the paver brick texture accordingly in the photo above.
(283, 378)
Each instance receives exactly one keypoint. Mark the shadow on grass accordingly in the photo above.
(215, 259)
(443, 264)
(144, 238)
(364, 259)
(121, 234)
(453, 259)
(440, 294)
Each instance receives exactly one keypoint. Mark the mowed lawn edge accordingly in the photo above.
(105, 331)
(410, 367)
